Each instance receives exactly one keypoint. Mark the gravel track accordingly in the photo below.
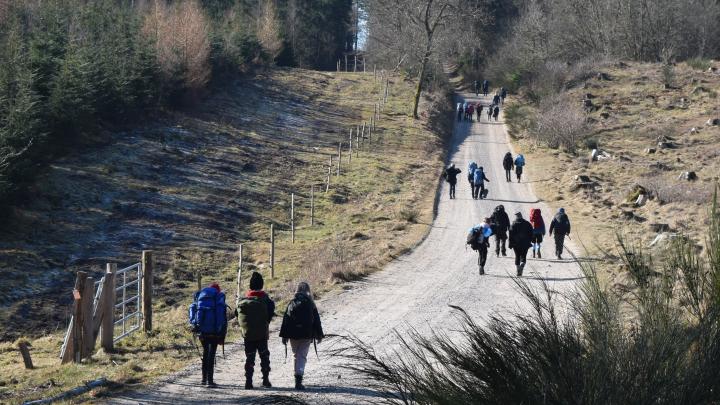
(414, 291)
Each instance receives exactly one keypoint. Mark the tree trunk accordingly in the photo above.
(421, 83)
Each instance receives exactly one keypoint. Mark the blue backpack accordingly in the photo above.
(207, 312)
(520, 161)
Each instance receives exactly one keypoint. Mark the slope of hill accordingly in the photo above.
(648, 135)
(191, 186)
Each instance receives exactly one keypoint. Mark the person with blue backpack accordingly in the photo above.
(519, 163)
(255, 311)
(208, 319)
(471, 177)
(479, 180)
(479, 240)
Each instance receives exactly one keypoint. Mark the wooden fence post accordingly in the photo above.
(107, 328)
(86, 303)
(350, 149)
(346, 65)
(147, 289)
(327, 185)
(339, 157)
(312, 205)
(25, 353)
(355, 64)
(198, 277)
(374, 73)
(292, 217)
(338, 65)
(357, 142)
(272, 251)
(239, 275)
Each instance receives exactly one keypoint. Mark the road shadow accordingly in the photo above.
(535, 277)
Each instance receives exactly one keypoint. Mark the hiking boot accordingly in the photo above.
(497, 254)
(248, 384)
(504, 253)
(539, 255)
(522, 267)
(559, 256)
(204, 381)
(533, 254)
(482, 270)
(298, 383)
(266, 382)
(517, 269)
(211, 384)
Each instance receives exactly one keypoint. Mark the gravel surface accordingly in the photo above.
(414, 291)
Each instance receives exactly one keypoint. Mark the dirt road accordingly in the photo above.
(414, 291)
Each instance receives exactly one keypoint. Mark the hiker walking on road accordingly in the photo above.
(490, 112)
(521, 233)
(501, 225)
(496, 112)
(485, 87)
(450, 175)
(301, 327)
(476, 86)
(503, 94)
(478, 110)
(538, 224)
(471, 177)
(479, 180)
(460, 111)
(255, 311)
(479, 240)
(496, 99)
(508, 166)
(561, 225)
(208, 318)
(519, 164)
(471, 111)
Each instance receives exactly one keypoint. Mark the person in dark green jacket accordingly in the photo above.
(301, 326)
(255, 311)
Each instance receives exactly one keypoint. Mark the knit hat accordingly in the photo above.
(561, 210)
(256, 281)
(518, 214)
(215, 286)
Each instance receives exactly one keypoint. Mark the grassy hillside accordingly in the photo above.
(634, 111)
(191, 187)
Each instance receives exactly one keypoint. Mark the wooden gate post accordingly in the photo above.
(87, 296)
(25, 353)
(147, 288)
(272, 251)
(107, 327)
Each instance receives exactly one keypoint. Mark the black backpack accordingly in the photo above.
(300, 315)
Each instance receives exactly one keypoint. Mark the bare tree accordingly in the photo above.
(410, 32)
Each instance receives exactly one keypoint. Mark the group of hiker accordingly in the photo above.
(301, 328)
(477, 178)
(523, 235)
(466, 110)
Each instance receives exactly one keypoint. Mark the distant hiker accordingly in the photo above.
(496, 112)
(471, 111)
(478, 238)
(508, 166)
(471, 177)
(538, 224)
(503, 94)
(255, 311)
(479, 180)
(519, 164)
(501, 225)
(466, 106)
(476, 86)
(496, 99)
(490, 112)
(460, 111)
(521, 233)
(561, 225)
(208, 319)
(478, 110)
(301, 326)
(485, 87)
(450, 175)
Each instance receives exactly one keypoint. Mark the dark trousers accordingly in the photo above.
(559, 243)
(518, 172)
(460, 115)
(482, 251)
(478, 190)
(508, 175)
(260, 347)
(208, 358)
(500, 243)
(521, 254)
(452, 190)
